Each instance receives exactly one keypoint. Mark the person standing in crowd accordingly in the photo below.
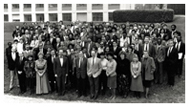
(21, 73)
(171, 62)
(123, 75)
(180, 46)
(89, 46)
(29, 66)
(42, 83)
(103, 77)
(147, 46)
(130, 53)
(159, 61)
(112, 75)
(94, 69)
(136, 78)
(61, 71)
(12, 60)
(115, 49)
(50, 70)
(81, 73)
(148, 69)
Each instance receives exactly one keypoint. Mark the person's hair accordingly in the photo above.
(102, 54)
(173, 25)
(129, 46)
(40, 53)
(110, 54)
(178, 33)
(122, 53)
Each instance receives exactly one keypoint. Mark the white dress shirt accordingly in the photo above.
(13, 54)
(61, 61)
(20, 48)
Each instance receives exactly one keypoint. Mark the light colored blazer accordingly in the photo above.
(94, 70)
(149, 68)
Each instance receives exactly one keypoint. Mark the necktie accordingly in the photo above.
(169, 51)
(93, 61)
(146, 49)
(52, 59)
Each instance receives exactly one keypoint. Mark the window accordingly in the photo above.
(28, 17)
(5, 6)
(67, 17)
(52, 7)
(81, 6)
(6, 18)
(114, 6)
(110, 16)
(40, 17)
(97, 16)
(52, 17)
(15, 6)
(97, 6)
(66, 6)
(39, 5)
(27, 5)
(16, 17)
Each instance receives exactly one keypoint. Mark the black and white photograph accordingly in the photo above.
(61, 52)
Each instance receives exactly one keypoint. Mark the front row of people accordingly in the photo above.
(101, 73)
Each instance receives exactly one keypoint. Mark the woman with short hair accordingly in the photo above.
(42, 83)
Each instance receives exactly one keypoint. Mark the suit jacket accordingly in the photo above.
(58, 69)
(82, 71)
(160, 53)
(20, 65)
(117, 50)
(151, 50)
(92, 44)
(182, 49)
(94, 70)
(8, 54)
(11, 62)
(171, 60)
(50, 65)
(148, 68)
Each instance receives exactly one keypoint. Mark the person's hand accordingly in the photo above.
(55, 75)
(19, 72)
(66, 74)
(124, 76)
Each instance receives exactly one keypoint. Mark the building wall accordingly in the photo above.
(59, 12)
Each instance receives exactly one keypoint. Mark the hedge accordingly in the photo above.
(149, 16)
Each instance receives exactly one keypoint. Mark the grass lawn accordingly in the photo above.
(158, 94)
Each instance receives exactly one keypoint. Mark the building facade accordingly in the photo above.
(23, 12)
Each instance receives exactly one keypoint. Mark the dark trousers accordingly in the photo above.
(61, 83)
(31, 83)
(52, 81)
(159, 72)
(103, 81)
(81, 86)
(94, 85)
(171, 76)
(180, 67)
(22, 81)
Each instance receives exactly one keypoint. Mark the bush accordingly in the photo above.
(150, 16)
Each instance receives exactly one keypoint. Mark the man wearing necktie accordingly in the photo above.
(21, 74)
(12, 60)
(61, 71)
(180, 46)
(51, 76)
(81, 73)
(171, 63)
(94, 69)
(147, 46)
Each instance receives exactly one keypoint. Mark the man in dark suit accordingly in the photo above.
(40, 49)
(180, 46)
(61, 71)
(21, 74)
(12, 58)
(81, 73)
(51, 76)
(171, 62)
(115, 49)
(147, 46)
(89, 46)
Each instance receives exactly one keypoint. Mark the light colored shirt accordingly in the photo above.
(20, 48)
(13, 54)
(104, 64)
(61, 61)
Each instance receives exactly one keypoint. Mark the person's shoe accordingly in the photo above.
(79, 95)
(63, 93)
(95, 97)
(10, 88)
(92, 96)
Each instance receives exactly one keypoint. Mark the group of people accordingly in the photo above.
(94, 58)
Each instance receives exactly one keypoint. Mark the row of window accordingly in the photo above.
(65, 6)
(65, 17)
